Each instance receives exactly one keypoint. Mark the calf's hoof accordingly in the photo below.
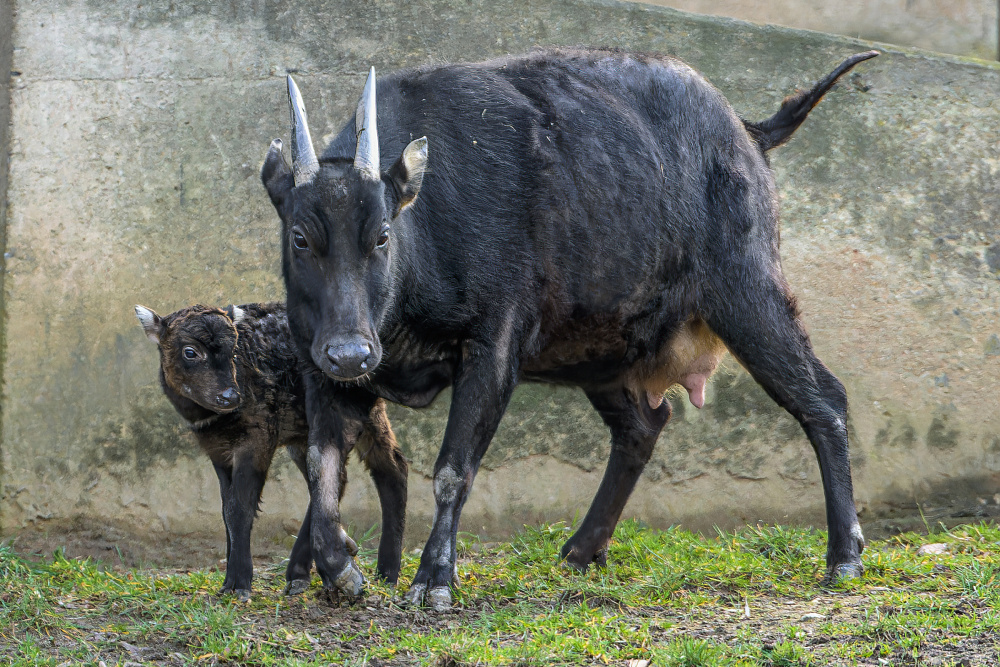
(575, 558)
(350, 581)
(297, 586)
(241, 594)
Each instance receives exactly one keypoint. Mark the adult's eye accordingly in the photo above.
(299, 241)
(383, 237)
(190, 353)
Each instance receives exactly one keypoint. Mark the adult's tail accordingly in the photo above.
(778, 128)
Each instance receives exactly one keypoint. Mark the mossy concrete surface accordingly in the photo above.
(137, 134)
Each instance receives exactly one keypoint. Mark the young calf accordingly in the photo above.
(234, 375)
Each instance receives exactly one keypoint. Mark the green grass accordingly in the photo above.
(750, 597)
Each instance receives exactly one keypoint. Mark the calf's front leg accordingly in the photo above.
(240, 499)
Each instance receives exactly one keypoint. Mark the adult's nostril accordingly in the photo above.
(350, 360)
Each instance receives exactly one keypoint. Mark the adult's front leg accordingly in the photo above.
(336, 416)
(297, 574)
(483, 386)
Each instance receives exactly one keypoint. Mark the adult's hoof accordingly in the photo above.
(439, 598)
(842, 573)
(350, 581)
(415, 596)
(297, 586)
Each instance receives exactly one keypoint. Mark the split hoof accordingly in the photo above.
(843, 573)
(415, 596)
(241, 594)
(572, 559)
(297, 586)
(439, 598)
(350, 581)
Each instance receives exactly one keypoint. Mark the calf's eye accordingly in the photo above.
(383, 237)
(189, 353)
(299, 241)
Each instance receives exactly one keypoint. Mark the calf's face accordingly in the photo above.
(197, 348)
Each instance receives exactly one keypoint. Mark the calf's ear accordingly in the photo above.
(150, 322)
(235, 313)
(407, 174)
(276, 175)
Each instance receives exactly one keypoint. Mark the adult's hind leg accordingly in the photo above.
(385, 462)
(754, 314)
(634, 428)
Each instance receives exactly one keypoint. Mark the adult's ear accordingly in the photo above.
(151, 323)
(277, 175)
(407, 175)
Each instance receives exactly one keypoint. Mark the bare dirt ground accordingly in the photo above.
(119, 546)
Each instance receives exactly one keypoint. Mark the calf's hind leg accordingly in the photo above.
(754, 315)
(385, 462)
(297, 574)
(635, 426)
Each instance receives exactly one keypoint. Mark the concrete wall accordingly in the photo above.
(137, 135)
(6, 54)
(961, 27)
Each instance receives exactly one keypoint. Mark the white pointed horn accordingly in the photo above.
(366, 158)
(304, 161)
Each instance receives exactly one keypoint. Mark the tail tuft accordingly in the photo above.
(778, 128)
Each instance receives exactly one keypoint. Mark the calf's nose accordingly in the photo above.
(227, 399)
(350, 360)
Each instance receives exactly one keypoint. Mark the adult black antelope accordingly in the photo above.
(591, 218)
